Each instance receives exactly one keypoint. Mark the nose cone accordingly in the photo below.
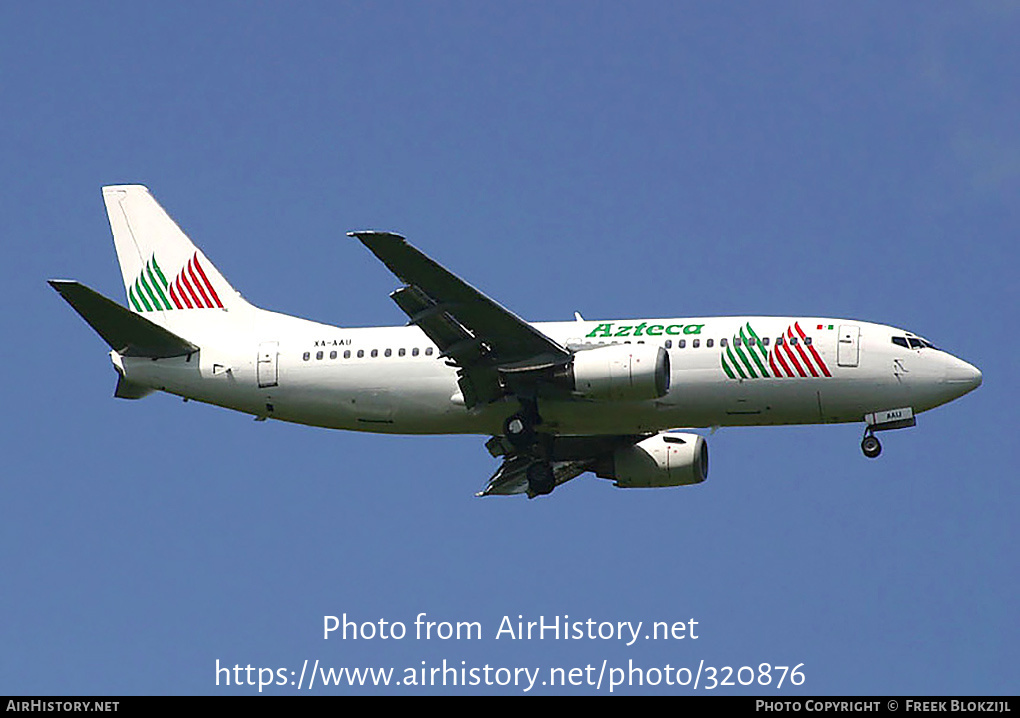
(960, 376)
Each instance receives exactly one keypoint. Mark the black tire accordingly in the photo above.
(871, 446)
(519, 432)
(515, 425)
(541, 480)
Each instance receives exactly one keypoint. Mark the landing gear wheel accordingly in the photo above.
(871, 446)
(541, 479)
(519, 431)
(515, 426)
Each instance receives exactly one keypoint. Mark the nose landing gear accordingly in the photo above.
(901, 418)
(870, 444)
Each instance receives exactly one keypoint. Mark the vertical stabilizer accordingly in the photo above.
(165, 274)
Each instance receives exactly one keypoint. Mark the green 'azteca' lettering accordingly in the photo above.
(602, 330)
(643, 329)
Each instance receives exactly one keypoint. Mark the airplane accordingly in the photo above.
(557, 399)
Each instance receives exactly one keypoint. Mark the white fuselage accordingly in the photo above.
(393, 380)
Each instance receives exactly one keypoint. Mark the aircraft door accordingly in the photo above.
(268, 371)
(848, 349)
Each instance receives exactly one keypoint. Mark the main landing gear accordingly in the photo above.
(870, 444)
(519, 430)
(541, 480)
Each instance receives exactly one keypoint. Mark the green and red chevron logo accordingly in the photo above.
(747, 357)
(190, 289)
(792, 349)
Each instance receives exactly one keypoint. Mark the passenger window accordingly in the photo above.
(807, 340)
(765, 341)
(709, 342)
(306, 356)
(428, 351)
(414, 352)
(332, 354)
(722, 342)
(347, 354)
(401, 352)
(750, 341)
(695, 343)
(736, 341)
(669, 343)
(361, 353)
(793, 341)
(388, 352)
(318, 355)
(779, 341)
(681, 343)
(375, 353)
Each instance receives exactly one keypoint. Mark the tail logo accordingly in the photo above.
(190, 289)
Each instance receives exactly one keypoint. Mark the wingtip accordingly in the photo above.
(112, 188)
(367, 234)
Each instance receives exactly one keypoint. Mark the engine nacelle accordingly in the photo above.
(661, 460)
(622, 372)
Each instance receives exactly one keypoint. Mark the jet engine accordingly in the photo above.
(662, 460)
(622, 372)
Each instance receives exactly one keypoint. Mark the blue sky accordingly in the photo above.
(647, 159)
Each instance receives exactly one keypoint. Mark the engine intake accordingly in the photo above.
(662, 460)
(622, 372)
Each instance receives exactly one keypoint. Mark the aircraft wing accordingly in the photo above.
(476, 333)
(511, 476)
(569, 456)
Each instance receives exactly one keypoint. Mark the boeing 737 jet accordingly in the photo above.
(558, 399)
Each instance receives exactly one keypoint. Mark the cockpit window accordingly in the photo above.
(912, 343)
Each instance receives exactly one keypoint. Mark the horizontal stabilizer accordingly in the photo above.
(127, 333)
(127, 389)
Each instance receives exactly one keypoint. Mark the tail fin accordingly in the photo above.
(163, 271)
